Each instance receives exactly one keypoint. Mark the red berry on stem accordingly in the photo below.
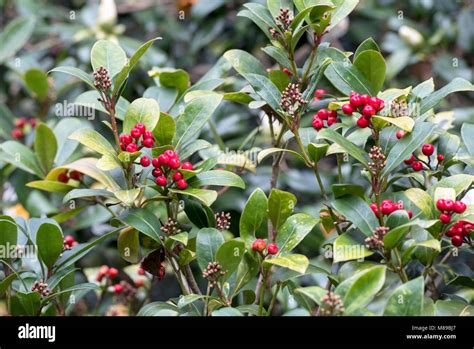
(126, 139)
(161, 181)
(427, 149)
(323, 114)
(131, 148)
(448, 205)
(123, 146)
(319, 92)
(417, 166)
(440, 204)
(363, 122)
(139, 283)
(21, 122)
(141, 271)
(118, 288)
(410, 160)
(347, 109)
(459, 207)
(287, 72)
(136, 133)
(272, 249)
(374, 209)
(333, 114)
(368, 111)
(445, 218)
(155, 162)
(140, 127)
(156, 172)
(400, 134)
(182, 184)
(17, 133)
(387, 208)
(355, 101)
(112, 273)
(69, 240)
(76, 175)
(170, 154)
(148, 142)
(33, 122)
(375, 103)
(63, 177)
(364, 98)
(145, 161)
(163, 159)
(148, 134)
(410, 214)
(456, 240)
(440, 157)
(317, 123)
(174, 163)
(331, 120)
(177, 176)
(187, 166)
(259, 245)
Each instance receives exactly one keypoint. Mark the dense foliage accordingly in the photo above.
(299, 183)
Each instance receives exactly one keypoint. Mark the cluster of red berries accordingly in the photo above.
(323, 114)
(318, 94)
(416, 164)
(166, 168)
(259, 245)
(105, 271)
(459, 231)
(364, 104)
(69, 242)
(65, 176)
(448, 207)
(20, 124)
(131, 142)
(388, 206)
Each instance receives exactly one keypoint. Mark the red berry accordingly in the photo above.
(287, 72)
(333, 114)
(355, 101)
(21, 122)
(456, 240)
(320, 92)
(347, 109)
(33, 122)
(63, 177)
(163, 159)
(410, 214)
(187, 166)
(387, 208)
(417, 166)
(368, 111)
(69, 240)
(174, 163)
(145, 161)
(363, 122)
(118, 289)
(400, 134)
(112, 273)
(131, 148)
(440, 157)
(317, 123)
(272, 249)
(161, 181)
(171, 154)
(375, 102)
(445, 218)
(139, 282)
(76, 175)
(331, 120)
(126, 139)
(177, 176)
(141, 271)
(410, 160)
(323, 114)
(448, 205)
(17, 133)
(182, 184)
(136, 133)
(374, 209)
(140, 127)
(364, 98)
(440, 204)
(148, 142)
(459, 207)
(427, 149)
(155, 162)
(123, 146)
(156, 172)
(259, 245)
(452, 232)
(148, 134)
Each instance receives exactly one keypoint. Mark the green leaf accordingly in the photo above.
(14, 36)
(347, 145)
(199, 214)
(158, 309)
(207, 197)
(46, 146)
(367, 44)
(109, 55)
(398, 232)
(123, 74)
(87, 193)
(279, 79)
(296, 262)
(266, 152)
(67, 215)
(128, 196)
(227, 311)
(317, 151)
(424, 89)
(453, 307)
(456, 85)
(76, 72)
(357, 291)
(8, 235)
(265, 88)
(467, 130)
(280, 206)
(244, 63)
(195, 116)
(372, 65)
(229, 255)
(421, 199)
(314, 293)
(274, 6)
(181, 237)
(459, 182)
(66, 147)
(246, 271)
(93, 140)
(343, 9)
(25, 304)
(6, 282)
(89, 99)
(404, 122)
(342, 189)
(407, 299)
(49, 239)
(208, 242)
(20, 156)
(278, 54)
(260, 16)
(37, 82)
(403, 149)
(350, 246)
(358, 212)
(143, 220)
(128, 245)
(174, 78)
(293, 231)
(218, 178)
(164, 130)
(50, 186)
(142, 110)
(346, 78)
(253, 215)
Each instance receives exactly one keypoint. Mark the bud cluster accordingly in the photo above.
(222, 220)
(102, 79)
(283, 22)
(378, 159)
(331, 304)
(41, 287)
(291, 99)
(170, 227)
(375, 242)
(212, 273)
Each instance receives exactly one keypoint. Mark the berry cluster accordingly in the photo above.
(291, 99)
(388, 206)
(318, 94)
(259, 245)
(330, 116)
(331, 304)
(366, 106)
(166, 168)
(106, 272)
(65, 176)
(212, 273)
(41, 287)
(20, 127)
(459, 232)
(283, 22)
(417, 164)
(222, 220)
(123, 288)
(131, 142)
(69, 242)
(448, 207)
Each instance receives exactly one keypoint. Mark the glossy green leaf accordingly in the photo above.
(404, 122)
(76, 72)
(229, 255)
(109, 55)
(164, 130)
(407, 299)
(15, 35)
(20, 156)
(456, 85)
(314, 293)
(296, 262)
(265, 88)
(266, 152)
(293, 231)
(217, 178)
(128, 245)
(37, 82)
(346, 78)
(280, 206)
(244, 63)
(174, 78)
(46, 146)
(421, 199)
(350, 246)
(347, 145)
(372, 65)
(51, 186)
(142, 110)
(143, 220)
(49, 239)
(367, 44)
(253, 215)
(8, 236)
(208, 242)
(206, 196)
(358, 212)
(93, 140)
(89, 100)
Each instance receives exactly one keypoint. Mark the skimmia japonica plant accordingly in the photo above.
(397, 224)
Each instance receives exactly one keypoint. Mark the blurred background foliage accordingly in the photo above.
(419, 38)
